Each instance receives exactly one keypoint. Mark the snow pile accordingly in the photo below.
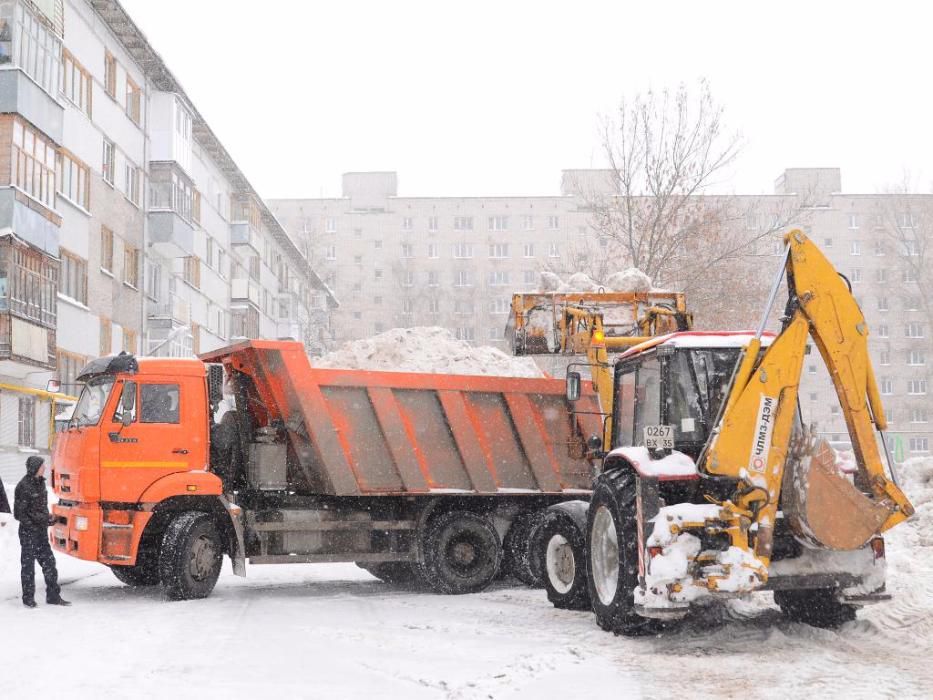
(426, 349)
(628, 280)
(674, 464)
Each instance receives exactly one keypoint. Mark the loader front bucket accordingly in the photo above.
(823, 506)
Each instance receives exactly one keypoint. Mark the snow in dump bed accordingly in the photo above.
(674, 464)
(426, 349)
(630, 280)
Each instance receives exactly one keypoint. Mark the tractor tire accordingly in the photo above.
(144, 573)
(612, 555)
(518, 554)
(462, 553)
(817, 608)
(190, 557)
(562, 547)
(400, 573)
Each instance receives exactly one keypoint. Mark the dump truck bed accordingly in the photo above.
(363, 433)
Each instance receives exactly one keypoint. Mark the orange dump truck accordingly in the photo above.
(168, 464)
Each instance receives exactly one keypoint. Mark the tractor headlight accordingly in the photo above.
(81, 523)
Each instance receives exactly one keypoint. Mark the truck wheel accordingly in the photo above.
(400, 573)
(818, 608)
(190, 557)
(145, 573)
(518, 554)
(612, 554)
(562, 546)
(462, 553)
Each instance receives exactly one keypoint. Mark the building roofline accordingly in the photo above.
(137, 45)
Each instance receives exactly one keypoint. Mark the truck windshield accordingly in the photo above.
(699, 379)
(90, 404)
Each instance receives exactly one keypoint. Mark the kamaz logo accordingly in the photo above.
(763, 428)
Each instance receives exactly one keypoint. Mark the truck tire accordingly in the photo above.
(144, 573)
(612, 554)
(817, 608)
(562, 547)
(462, 553)
(190, 557)
(518, 554)
(400, 573)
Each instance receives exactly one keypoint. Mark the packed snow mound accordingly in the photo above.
(916, 480)
(630, 280)
(428, 349)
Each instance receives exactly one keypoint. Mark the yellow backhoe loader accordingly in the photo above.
(710, 485)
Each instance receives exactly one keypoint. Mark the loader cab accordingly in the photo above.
(668, 391)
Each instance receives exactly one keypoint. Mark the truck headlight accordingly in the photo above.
(81, 523)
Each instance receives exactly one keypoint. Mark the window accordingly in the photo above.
(331, 253)
(463, 307)
(496, 333)
(914, 330)
(905, 220)
(377, 274)
(106, 337)
(30, 43)
(195, 206)
(68, 365)
(133, 101)
(463, 250)
(106, 249)
(856, 248)
(192, 271)
(916, 357)
(884, 357)
(33, 163)
(170, 189)
(529, 250)
(553, 251)
(433, 278)
(408, 306)
(908, 275)
(377, 244)
(917, 386)
(159, 403)
(110, 74)
(881, 275)
(528, 222)
(919, 444)
(530, 277)
(107, 166)
(918, 415)
(357, 315)
(751, 222)
(131, 266)
(408, 250)
(553, 222)
(28, 282)
(377, 300)
(432, 250)
(856, 275)
(853, 221)
(357, 259)
(73, 277)
(73, 180)
(498, 250)
(827, 242)
(834, 410)
(882, 330)
(499, 306)
(330, 225)
(408, 278)
(255, 267)
(498, 278)
(813, 396)
(129, 341)
(432, 223)
(463, 223)
(886, 387)
(911, 248)
(498, 223)
(407, 223)
(76, 83)
(462, 279)
(467, 334)
(131, 179)
(209, 251)
(154, 279)
(27, 421)
(434, 306)
(882, 303)
(811, 369)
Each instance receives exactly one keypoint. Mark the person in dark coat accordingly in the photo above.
(31, 508)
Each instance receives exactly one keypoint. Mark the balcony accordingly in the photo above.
(174, 308)
(25, 346)
(29, 220)
(170, 235)
(245, 290)
(243, 235)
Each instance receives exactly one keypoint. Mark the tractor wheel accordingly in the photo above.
(562, 547)
(462, 553)
(612, 554)
(818, 608)
(518, 553)
(190, 557)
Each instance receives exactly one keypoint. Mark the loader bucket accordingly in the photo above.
(824, 508)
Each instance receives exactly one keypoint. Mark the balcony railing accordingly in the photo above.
(174, 308)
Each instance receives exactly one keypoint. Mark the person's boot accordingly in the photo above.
(29, 603)
(58, 601)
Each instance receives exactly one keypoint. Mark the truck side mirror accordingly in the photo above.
(573, 386)
(128, 403)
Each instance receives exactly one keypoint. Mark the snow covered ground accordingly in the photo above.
(332, 631)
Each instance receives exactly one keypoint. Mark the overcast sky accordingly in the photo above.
(476, 98)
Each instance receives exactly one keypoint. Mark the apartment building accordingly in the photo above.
(124, 223)
(455, 261)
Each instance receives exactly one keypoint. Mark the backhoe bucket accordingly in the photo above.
(822, 505)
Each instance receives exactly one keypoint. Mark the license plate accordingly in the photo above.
(659, 437)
